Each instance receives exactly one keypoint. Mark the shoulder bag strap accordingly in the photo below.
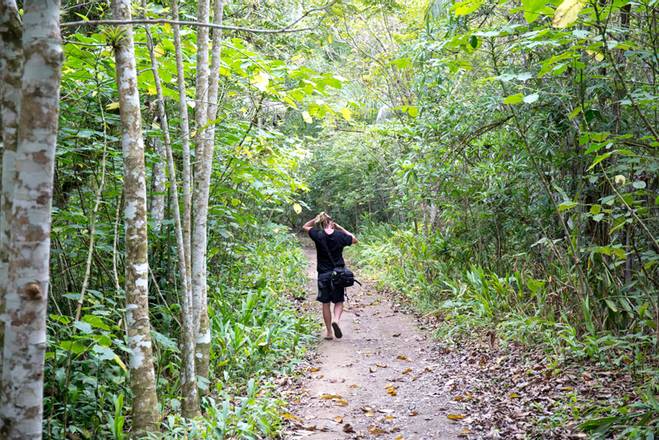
(324, 242)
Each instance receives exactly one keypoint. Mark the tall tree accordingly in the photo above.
(201, 200)
(142, 377)
(11, 70)
(201, 118)
(185, 142)
(189, 379)
(27, 287)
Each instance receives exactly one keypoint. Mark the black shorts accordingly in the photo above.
(325, 292)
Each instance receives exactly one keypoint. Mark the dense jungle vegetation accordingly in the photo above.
(497, 159)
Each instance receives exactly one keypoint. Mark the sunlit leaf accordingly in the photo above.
(567, 12)
(466, 7)
(514, 99)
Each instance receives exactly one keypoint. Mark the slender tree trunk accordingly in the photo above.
(198, 238)
(157, 207)
(27, 295)
(189, 379)
(185, 144)
(11, 70)
(142, 377)
(201, 205)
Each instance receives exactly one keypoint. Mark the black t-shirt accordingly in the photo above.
(336, 241)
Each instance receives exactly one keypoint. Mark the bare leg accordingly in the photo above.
(327, 317)
(338, 310)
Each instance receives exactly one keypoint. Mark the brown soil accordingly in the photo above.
(381, 380)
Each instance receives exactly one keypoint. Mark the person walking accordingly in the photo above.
(330, 239)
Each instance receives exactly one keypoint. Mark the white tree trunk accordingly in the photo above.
(27, 294)
(11, 70)
(189, 379)
(201, 201)
(201, 118)
(185, 144)
(157, 208)
(142, 377)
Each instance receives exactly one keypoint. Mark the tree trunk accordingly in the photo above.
(11, 70)
(142, 377)
(27, 295)
(201, 117)
(198, 238)
(157, 208)
(189, 379)
(185, 144)
(201, 205)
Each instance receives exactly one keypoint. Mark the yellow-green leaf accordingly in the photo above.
(112, 106)
(297, 208)
(567, 12)
(307, 117)
(261, 81)
(466, 7)
(514, 99)
(346, 112)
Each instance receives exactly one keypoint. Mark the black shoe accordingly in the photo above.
(337, 330)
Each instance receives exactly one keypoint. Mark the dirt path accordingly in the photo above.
(380, 380)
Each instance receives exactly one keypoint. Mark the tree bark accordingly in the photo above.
(189, 379)
(201, 205)
(27, 293)
(142, 377)
(11, 70)
(198, 238)
(157, 207)
(201, 117)
(185, 144)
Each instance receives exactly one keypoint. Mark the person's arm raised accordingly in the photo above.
(308, 225)
(342, 229)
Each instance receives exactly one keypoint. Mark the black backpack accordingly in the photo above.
(340, 276)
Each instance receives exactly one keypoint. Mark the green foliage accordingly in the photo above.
(519, 307)
(258, 334)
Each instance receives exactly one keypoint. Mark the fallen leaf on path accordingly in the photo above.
(292, 417)
(463, 397)
(455, 416)
(314, 369)
(407, 370)
(376, 430)
(368, 411)
(465, 432)
(402, 357)
(381, 365)
(413, 413)
(389, 418)
(399, 437)
(391, 389)
(338, 419)
(347, 428)
(354, 385)
(337, 398)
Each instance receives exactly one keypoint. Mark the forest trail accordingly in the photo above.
(381, 380)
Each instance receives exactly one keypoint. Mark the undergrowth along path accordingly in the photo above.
(381, 380)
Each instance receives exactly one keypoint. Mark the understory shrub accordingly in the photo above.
(523, 306)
